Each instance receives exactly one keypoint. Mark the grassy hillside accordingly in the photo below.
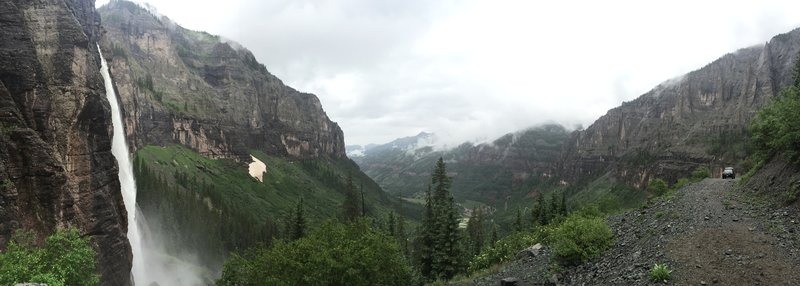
(215, 205)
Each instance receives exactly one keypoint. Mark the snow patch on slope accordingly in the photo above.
(257, 169)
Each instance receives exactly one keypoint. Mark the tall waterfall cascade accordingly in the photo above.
(119, 147)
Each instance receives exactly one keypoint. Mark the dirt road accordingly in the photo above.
(709, 233)
(732, 239)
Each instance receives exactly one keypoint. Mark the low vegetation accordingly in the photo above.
(504, 250)
(776, 128)
(576, 238)
(699, 174)
(66, 258)
(660, 188)
(579, 239)
(332, 254)
(660, 273)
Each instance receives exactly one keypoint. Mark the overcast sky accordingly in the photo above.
(477, 69)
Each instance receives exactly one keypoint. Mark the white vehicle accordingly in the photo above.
(728, 173)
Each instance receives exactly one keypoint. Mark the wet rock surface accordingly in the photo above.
(56, 166)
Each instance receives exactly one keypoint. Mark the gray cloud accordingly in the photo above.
(468, 69)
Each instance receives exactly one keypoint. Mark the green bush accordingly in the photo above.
(579, 239)
(660, 273)
(65, 259)
(333, 254)
(682, 182)
(700, 173)
(504, 249)
(790, 196)
(776, 128)
(590, 211)
(658, 187)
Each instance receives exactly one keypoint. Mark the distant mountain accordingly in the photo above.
(354, 150)
(484, 174)
(699, 119)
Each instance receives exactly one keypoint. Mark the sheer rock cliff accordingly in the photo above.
(56, 166)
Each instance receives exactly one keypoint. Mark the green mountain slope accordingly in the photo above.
(215, 206)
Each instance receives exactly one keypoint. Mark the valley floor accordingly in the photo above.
(709, 233)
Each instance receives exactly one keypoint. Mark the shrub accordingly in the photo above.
(504, 249)
(335, 254)
(660, 273)
(579, 239)
(682, 182)
(776, 128)
(658, 187)
(700, 173)
(790, 196)
(590, 211)
(65, 259)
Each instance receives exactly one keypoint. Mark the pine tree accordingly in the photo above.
(423, 253)
(350, 204)
(564, 205)
(518, 222)
(447, 252)
(554, 208)
(535, 214)
(391, 224)
(475, 231)
(542, 213)
(494, 234)
(400, 234)
(298, 222)
(363, 202)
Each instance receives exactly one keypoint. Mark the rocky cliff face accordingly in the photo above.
(179, 86)
(700, 118)
(56, 166)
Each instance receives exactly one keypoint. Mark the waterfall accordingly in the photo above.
(152, 263)
(127, 183)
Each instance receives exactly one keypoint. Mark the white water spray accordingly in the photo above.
(127, 183)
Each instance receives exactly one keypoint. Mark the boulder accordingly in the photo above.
(532, 251)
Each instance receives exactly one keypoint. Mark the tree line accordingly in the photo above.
(360, 249)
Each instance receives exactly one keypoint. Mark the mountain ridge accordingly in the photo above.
(192, 88)
(673, 122)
